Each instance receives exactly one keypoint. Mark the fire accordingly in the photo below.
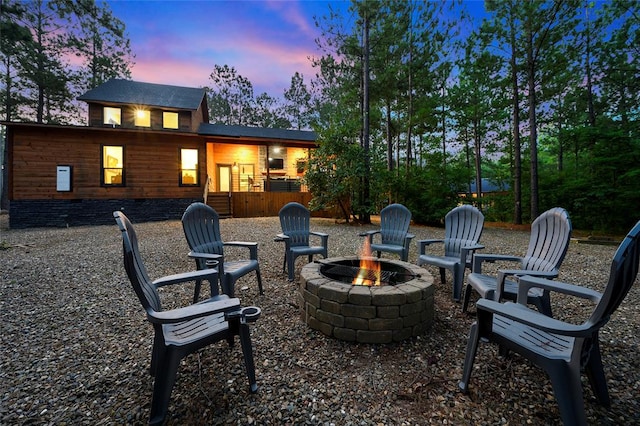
(369, 273)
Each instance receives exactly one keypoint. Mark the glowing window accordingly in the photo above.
(143, 118)
(111, 116)
(170, 120)
(113, 165)
(188, 167)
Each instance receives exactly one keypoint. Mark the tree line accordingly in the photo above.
(412, 101)
(541, 98)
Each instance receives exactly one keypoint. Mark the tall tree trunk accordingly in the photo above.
(366, 217)
(444, 131)
(592, 114)
(410, 101)
(533, 133)
(517, 154)
(389, 137)
(478, 162)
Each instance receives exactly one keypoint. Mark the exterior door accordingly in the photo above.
(224, 178)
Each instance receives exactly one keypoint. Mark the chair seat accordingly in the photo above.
(305, 250)
(239, 268)
(485, 285)
(184, 333)
(389, 248)
(548, 345)
(438, 261)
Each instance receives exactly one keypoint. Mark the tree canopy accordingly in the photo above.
(413, 102)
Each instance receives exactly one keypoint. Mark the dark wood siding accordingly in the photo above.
(152, 163)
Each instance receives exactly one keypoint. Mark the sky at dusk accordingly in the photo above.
(178, 42)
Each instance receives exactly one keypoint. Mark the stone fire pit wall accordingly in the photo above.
(366, 314)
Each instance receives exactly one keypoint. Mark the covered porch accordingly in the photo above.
(252, 172)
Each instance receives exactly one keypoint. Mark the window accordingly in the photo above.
(170, 120)
(111, 116)
(143, 118)
(113, 165)
(188, 167)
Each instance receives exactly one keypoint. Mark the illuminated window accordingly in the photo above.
(170, 120)
(143, 118)
(188, 167)
(111, 116)
(113, 165)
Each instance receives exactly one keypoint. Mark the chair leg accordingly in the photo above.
(259, 276)
(466, 297)
(157, 353)
(596, 376)
(162, 387)
(291, 262)
(567, 389)
(457, 283)
(443, 276)
(229, 285)
(472, 348)
(247, 351)
(196, 291)
(543, 304)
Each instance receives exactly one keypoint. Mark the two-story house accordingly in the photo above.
(149, 150)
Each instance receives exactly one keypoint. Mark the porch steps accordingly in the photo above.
(221, 203)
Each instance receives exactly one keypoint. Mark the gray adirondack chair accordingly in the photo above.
(548, 244)
(462, 230)
(394, 232)
(182, 331)
(561, 349)
(295, 222)
(201, 225)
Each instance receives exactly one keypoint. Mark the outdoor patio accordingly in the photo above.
(75, 343)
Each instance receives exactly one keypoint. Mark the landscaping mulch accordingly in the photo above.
(75, 345)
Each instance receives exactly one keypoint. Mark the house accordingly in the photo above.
(150, 151)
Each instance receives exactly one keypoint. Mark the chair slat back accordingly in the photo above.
(295, 223)
(394, 224)
(624, 270)
(201, 225)
(549, 241)
(462, 226)
(133, 264)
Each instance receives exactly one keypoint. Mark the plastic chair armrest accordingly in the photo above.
(190, 312)
(422, 244)
(504, 273)
(252, 246)
(526, 282)
(523, 315)
(479, 258)
(207, 274)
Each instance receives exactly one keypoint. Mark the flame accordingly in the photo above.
(368, 265)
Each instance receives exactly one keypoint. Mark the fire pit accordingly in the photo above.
(392, 301)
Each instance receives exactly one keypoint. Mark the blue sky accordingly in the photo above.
(178, 42)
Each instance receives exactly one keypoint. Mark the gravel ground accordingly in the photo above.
(75, 344)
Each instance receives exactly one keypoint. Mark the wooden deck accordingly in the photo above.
(257, 204)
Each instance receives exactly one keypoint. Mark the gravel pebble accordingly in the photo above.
(75, 344)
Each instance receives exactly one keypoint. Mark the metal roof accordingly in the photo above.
(255, 132)
(132, 92)
(490, 186)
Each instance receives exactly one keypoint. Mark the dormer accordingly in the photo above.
(133, 105)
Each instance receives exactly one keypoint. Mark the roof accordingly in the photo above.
(255, 132)
(132, 92)
(489, 186)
